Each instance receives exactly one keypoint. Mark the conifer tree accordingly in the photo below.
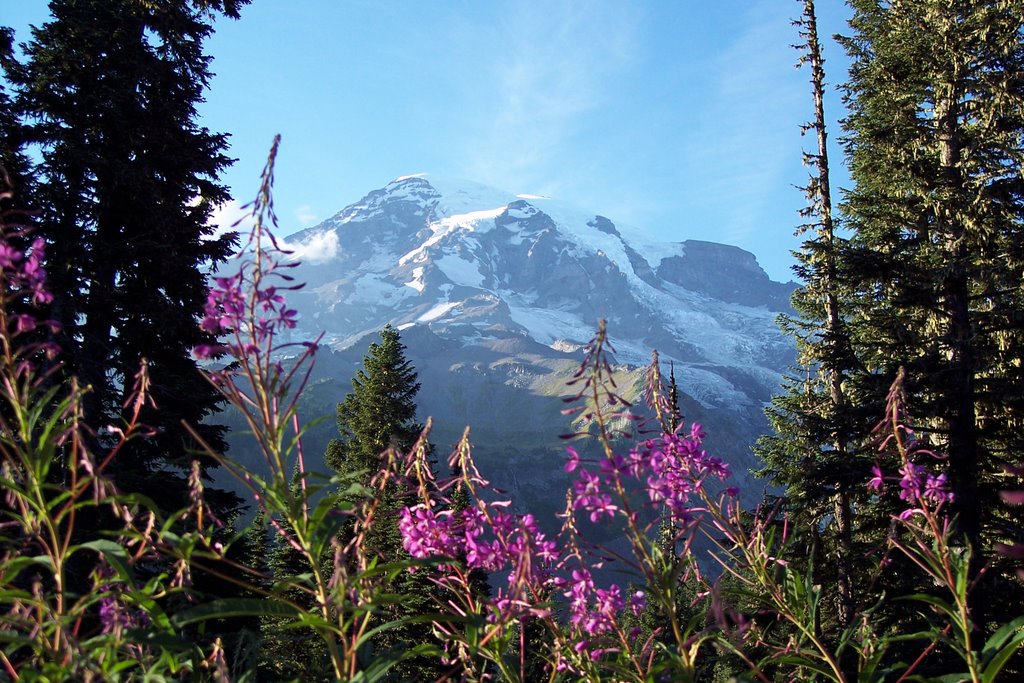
(12, 155)
(813, 452)
(380, 411)
(380, 414)
(935, 144)
(929, 280)
(127, 183)
(287, 652)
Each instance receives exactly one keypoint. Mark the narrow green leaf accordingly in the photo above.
(113, 553)
(1000, 647)
(233, 607)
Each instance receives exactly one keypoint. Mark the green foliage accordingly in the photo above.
(288, 652)
(814, 451)
(935, 125)
(13, 159)
(934, 261)
(377, 426)
(126, 182)
(380, 411)
(928, 279)
(377, 423)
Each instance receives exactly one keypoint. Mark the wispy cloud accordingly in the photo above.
(306, 216)
(748, 136)
(319, 247)
(231, 216)
(551, 64)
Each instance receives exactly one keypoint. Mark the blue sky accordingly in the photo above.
(677, 117)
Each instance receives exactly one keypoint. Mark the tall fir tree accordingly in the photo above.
(935, 144)
(127, 183)
(377, 416)
(379, 412)
(813, 452)
(929, 279)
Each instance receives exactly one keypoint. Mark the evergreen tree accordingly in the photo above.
(16, 181)
(289, 653)
(127, 184)
(377, 416)
(929, 280)
(935, 142)
(814, 452)
(379, 412)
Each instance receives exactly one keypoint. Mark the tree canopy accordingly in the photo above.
(126, 181)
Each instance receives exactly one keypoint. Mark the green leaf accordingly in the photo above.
(234, 607)
(115, 555)
(802, 662)
(1000, 647)
(384, 662)
(950, 678)
(936, 602)
(417, 619)
(16, 565)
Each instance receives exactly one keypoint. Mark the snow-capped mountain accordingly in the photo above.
(497, 293)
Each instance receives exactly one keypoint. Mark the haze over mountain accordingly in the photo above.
(496, 296)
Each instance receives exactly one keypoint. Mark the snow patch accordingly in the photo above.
(417, 280)
(437, 311)
(460, 271)
(565, 346)
(473, 221)
(520, 213)
(463, 196)
(549, 326)
(709, 389)
(375, 289)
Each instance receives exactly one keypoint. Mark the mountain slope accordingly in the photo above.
(496, 295)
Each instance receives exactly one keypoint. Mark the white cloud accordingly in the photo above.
(231, 216)
(306, 216)
(316, 248)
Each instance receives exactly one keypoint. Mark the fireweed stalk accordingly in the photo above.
(659, 484)
(477, 536)
(926, 536)
(661, 479)
(668, 473)
(556, 586)
(642, 482)
(249, 313)
(753, 554)
(72, 605)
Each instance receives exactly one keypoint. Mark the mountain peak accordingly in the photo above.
(472, 262)
(497, 293)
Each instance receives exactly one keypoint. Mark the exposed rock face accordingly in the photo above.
(724, 272)
(496, 295)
